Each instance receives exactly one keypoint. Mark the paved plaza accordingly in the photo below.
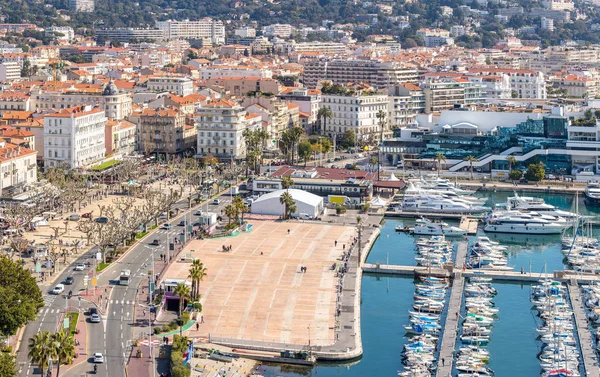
(257, 291)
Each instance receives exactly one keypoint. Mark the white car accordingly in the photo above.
(98, 357)
(58, 289)
(80, 267)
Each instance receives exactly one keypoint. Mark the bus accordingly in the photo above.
(124, 278)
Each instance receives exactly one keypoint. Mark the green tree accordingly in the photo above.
(183, 292)
(381, 114)
(197, 274)
(588, 114)
(597, 114)
(21, 297)
(439, 158)
(290, 206)
(64, 343)
(26, 71)
(348, 139)
(305, 150)
(242, 208)
(287, 182)
(231, 212)
(41, 350)
(8, 365)
(535, 172)
(471, 160)
(515, 175)
(323, 114)
(254, 141)
(512, 162)
(514, 94)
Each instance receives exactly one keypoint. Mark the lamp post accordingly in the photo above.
(150, 337)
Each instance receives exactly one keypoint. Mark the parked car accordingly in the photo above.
(92, 310)
(95, 318)
(102, 220)
(58, 289)
(69, 280)
(80, 267)
(155, 242)
(87, 215)
(74, 217)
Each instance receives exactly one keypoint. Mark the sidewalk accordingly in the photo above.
(81, 355)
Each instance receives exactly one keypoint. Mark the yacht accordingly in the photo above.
(438, 204)
(532, 204)
(521, 223)
(592, 194)
(415, 189)
(430, 228)
(441, 184)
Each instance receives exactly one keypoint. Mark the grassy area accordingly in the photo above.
(106, 165)
(101, 266)
(154, 227)
(73, 316)
(140, 235)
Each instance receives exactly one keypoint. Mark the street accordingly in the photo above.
(115, 333)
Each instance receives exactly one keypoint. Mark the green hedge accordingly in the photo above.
(179, 346)
(73, 316)
(101, 266)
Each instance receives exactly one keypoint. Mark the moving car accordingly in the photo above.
(182, 223)
(95, 318)
(155, 242)
(98, 357)
(79, 267)
(216, 202)
(167, 226)
(92, 311)
(58, 289)
(69, 280)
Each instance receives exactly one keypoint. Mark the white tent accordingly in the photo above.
(306, 203)
(392, 178)
(378, 202)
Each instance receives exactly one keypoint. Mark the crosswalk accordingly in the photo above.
(48, 299)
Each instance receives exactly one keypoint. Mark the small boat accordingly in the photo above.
(432, 228)
(481, 340)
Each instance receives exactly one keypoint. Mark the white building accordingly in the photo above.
(208, 30)
(82, 5)
(435, 41)
(67, 32)
(220, 125)
(127, 34)
(356, 112)
(458, 31)
(245, 32)
(547, 24)
(210, 72)
(17, 165)
(74, 137)
(278, 30)
(523, 82)
(307, 204)
(10, 71)
(567, 5)
(181, 86)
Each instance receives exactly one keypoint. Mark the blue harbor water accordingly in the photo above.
(386, 301)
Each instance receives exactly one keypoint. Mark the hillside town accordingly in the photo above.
(201, 196)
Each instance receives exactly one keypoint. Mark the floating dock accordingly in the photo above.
(588, 353)
(469, 225)
(448, 341)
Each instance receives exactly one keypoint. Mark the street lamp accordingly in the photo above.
(150, 337)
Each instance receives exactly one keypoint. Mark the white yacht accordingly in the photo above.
(425, 227)
(415, 189)
(439, 204)
(530, 203)
(522, 223)
(441, 184)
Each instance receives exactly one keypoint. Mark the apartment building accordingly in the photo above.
(208, 30)
(163, 131)
(443, 93)
(356, 111)
(82, 5)
(322, 47)
(277, 115)
(278, 30)
(64, 33)
(74, 137)
(116, 104)
(406, 101)
(245, 32)
(579, 86)
(128, 34)
(566, 5)
(308, 101)
(17, 165)
(240, 86)
(372, 72)
(220, 125)
(523, 83)
(10, 71)
(181, 86)
(216, 71)
(14, 100)
(120, 138)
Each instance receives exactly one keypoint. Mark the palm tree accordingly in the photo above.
(295, 135)
(288, 201)
(183, 292)
(197, 274)
(381, 114)
(471, 159)
(41, 349)
(373, 161)
(323, 114)
(242, 208)
(65, 348)
(287, 182)
(439, 158)
(231, 212)
(512, 162)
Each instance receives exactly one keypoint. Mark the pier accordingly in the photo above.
(415, 215)
(448, 341)
(469, 225)
(588, 353)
